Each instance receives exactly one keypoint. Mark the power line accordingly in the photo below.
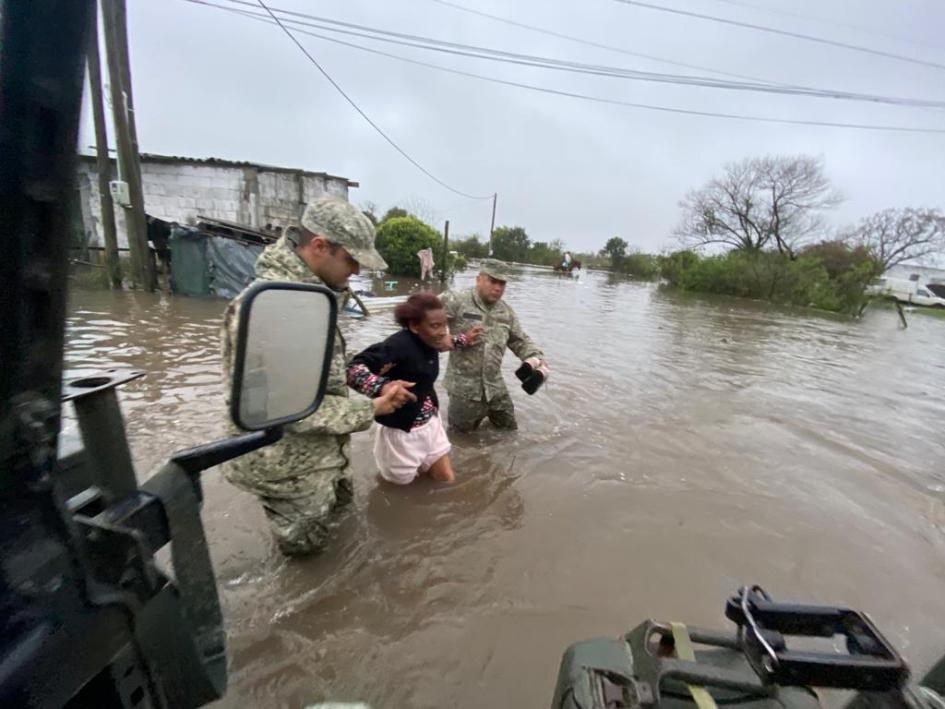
(599, 45)
(824, 20)
(363, 114)
(454, 48)
(616, 102)
(785, 33)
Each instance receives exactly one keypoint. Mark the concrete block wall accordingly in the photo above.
(180, 192)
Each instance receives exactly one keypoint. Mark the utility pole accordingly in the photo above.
(495, 197)
(129, 169)
(103, 166)
(445, 268)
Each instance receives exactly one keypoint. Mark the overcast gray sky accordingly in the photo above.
(211, 83)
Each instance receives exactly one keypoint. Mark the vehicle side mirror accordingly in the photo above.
(284, 341)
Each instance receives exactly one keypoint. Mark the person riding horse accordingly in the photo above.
(567, 264)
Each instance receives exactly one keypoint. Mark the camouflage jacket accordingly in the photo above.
(317, 443)
(476, 372)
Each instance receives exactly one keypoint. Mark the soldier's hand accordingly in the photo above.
(474, 334)
(393, 396)
(400, 390)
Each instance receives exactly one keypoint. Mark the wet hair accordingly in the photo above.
(416, 308)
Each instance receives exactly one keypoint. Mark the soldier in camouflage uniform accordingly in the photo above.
(304, 477)
(474, 376)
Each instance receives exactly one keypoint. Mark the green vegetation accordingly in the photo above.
(889, 304)
(592, 260)
(511, 244)
(830, 275)
(395, 213)
(472, 246)
(768, 211)
(400, 238)
(636, 264)
(457, 262)
(542, 253)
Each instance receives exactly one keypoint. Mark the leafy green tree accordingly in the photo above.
(545, 254)
(470, 247)
(615, 249)
(640, 265)
(400, 238)
(838, 257)
(510, 243)
(394, 213)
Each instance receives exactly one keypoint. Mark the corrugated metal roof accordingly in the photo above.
(221, 162)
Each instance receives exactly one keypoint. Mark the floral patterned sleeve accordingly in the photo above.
(363, 381)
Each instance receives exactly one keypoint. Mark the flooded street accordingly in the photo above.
(681, 448)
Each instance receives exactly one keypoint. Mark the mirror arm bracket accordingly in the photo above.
(196, 460)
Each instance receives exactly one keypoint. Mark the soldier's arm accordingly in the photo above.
(336, 416)
(453, 307)
(521, 344)
(227, 333)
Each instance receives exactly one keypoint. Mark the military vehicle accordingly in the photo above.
(107, 593)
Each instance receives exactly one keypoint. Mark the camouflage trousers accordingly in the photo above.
(467, 414)
(302, 524)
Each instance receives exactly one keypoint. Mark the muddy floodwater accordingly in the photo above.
(682, 447)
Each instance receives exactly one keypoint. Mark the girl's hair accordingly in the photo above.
(415, 309)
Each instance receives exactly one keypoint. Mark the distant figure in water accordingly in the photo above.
(411, 441)
(426, 263)
(566, 261)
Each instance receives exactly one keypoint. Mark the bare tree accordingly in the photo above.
(422, 210)
(369, 209)
(774, 201)
(896, 235)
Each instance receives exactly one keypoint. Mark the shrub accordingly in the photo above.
(398, 241)
(471, 246)
(457, 263)
(638, 264)
(828, 279)
(839, 257)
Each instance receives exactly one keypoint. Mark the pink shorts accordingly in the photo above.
(402, 455)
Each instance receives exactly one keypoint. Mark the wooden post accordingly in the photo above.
(445, 268)
(902, 313)
(495, 197)
(129, 168)
(103, 165)
(360, 302)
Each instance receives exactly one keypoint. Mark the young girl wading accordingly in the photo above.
(411, 440)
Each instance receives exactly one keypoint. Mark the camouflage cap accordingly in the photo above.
(497, 269)
(342, 223)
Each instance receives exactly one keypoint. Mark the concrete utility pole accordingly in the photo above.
(103, 166)
(495, 197)
(129, 169)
